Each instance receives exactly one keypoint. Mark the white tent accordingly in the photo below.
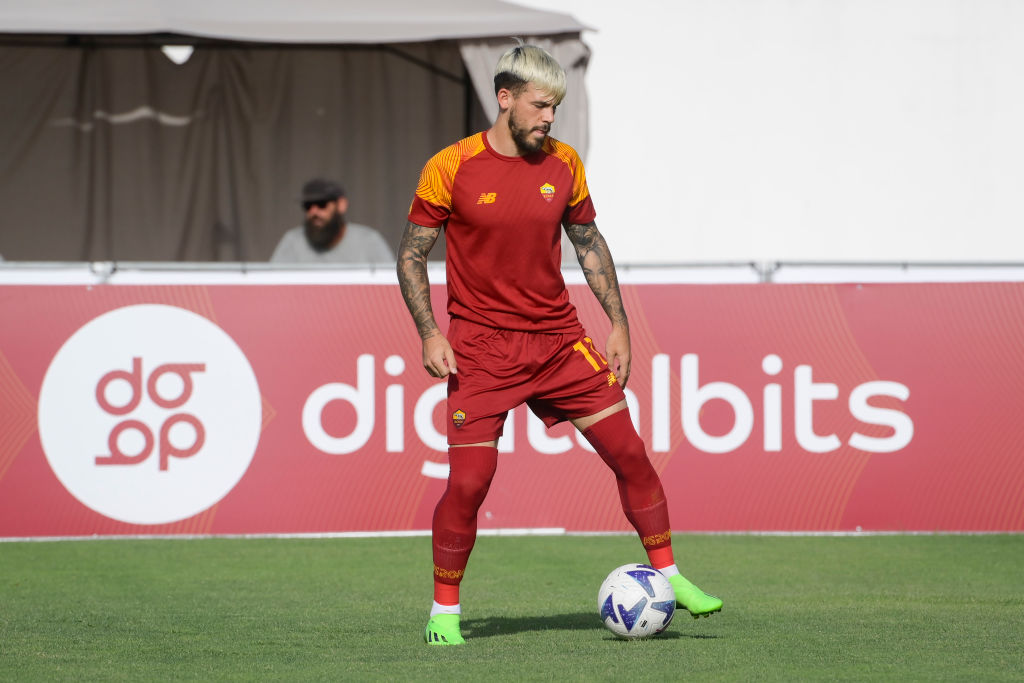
(111, 151)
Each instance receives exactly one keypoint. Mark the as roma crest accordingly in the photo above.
(458, 418)
(547, 191)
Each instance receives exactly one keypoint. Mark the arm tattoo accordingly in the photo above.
(412, 275)
(599, 269)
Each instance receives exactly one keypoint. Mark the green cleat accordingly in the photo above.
(692, 599)
(443, 629)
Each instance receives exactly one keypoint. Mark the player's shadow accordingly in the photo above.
(486, 627)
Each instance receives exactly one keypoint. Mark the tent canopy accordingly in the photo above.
(274, 21)
(111, 152)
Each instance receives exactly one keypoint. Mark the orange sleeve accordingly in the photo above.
(435, 186)
(570, 158)
(433, 200)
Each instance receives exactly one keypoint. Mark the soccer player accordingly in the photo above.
(503, 196)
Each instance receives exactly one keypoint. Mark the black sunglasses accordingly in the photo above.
(306, 206)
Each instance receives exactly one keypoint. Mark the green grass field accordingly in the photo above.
(796, 608)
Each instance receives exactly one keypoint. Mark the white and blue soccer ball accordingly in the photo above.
(636, 601)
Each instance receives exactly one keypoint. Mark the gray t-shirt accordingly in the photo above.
(361, 244)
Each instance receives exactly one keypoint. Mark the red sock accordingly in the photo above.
(446, 593)
(640, 491)
(660, 557)
(454, 526)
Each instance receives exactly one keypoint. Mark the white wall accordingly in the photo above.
(806, 129)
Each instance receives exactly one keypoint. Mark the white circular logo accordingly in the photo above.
(149, 414)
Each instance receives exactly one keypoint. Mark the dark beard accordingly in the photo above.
(519, 137)
(321, 239)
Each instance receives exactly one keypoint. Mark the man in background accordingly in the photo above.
(326, 236)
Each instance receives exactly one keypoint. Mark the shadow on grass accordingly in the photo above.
(486, 627)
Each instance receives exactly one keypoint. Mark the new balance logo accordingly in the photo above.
(487, 198)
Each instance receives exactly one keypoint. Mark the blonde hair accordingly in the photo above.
(526, 64)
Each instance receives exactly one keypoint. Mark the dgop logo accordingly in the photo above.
(149, 414)
(134, 379)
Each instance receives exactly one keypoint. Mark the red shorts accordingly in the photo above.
(560, 376)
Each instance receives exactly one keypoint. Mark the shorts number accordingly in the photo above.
(590, 353)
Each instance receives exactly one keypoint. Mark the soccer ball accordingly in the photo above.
(636, 601)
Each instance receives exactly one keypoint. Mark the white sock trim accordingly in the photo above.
(670, 570)
(438, 608)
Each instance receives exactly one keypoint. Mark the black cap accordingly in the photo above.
(320, 190)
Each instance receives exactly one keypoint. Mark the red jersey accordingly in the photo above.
(503, 218)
